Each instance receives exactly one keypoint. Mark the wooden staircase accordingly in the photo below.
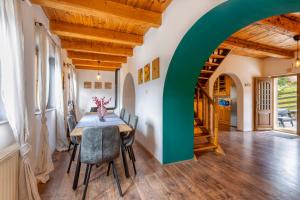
(205, 112)
(211, 65)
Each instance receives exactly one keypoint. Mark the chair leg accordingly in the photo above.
(69, 148)
(109, 164)
(129, 153)
(133, 159)
(117, 178)
(88, 174)
(72, 157)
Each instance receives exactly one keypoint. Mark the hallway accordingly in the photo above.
(260, 165)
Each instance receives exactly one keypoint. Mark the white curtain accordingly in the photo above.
(73, 88)
(44, 162)
(12, 91)
(61, 137)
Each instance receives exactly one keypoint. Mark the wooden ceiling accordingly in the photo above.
(271, 37)
(101, 34)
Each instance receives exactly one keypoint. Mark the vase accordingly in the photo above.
(101, 113)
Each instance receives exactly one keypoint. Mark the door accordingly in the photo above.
(264, 104)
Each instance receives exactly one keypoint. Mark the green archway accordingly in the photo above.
(195, 47)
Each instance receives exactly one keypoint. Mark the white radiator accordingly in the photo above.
(9, 172)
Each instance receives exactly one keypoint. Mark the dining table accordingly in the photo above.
(92, 120)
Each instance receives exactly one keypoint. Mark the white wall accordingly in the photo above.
(85, 96)
(242, 70)
(161, 42)
(277, 67)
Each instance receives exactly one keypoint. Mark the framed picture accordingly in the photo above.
(147, 73)
(98, 85)
(87, 85)
(155, 69)
(140, 76)
(108, 85)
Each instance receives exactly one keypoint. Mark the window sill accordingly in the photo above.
(47, 110)
(3, 122)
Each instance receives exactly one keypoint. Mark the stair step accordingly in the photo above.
(207, 71)
(204, 147)
(216, 56)
(196, 136)
(203, 78)
(211, 64)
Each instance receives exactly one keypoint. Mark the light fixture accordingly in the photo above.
(98, 74)
(297, 61)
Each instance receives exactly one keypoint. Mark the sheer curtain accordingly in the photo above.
(44, 164)
(73, 88)
(12, 91)
(61, 138)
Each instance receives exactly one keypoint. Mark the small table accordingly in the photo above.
(92, 120)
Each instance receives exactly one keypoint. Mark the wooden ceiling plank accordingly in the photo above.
(266, 49)
(98, 8)
(96, 57)
(96, 68)
(287, 26)
(97, 34)
(93, 63)
(91, 47)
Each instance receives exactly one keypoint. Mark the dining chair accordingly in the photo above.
(128, 140)
(73, 140)
(122, 113)
(93, 109)
(100, 145)
(126, 117)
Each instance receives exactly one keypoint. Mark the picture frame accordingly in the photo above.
(98, 85)
(108, 85)
(155, 68)
(140, 76)
(87, 84)
(147, 73)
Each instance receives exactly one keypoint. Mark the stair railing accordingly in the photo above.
(210, 114)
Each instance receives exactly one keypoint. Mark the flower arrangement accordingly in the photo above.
(101, 106)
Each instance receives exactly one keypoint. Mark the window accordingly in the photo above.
(37, 72)
(2, 110)
(51, 97)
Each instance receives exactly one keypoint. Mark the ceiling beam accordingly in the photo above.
(92, 47)
(96, 57)
(285, 25)
(93, 63)
(96, 68)
(103, 8)
(97, 34)
(267, 50)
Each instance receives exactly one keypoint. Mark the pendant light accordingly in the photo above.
(297, 61)
(98, 74)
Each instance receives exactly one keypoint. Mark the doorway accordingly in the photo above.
(225, 93)
(285, 104)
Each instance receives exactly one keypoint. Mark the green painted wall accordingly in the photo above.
(195, 47)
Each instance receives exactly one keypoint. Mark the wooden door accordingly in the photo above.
(264, 104)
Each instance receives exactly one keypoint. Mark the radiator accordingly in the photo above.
(9, 171)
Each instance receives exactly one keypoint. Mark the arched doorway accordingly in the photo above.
(129, 94)
(228, 87)
(203, 37)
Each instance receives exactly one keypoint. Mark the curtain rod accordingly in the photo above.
(47, 31)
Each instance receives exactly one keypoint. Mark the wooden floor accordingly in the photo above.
(256, 166)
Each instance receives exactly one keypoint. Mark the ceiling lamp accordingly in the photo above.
(98, 74)
(297, 61)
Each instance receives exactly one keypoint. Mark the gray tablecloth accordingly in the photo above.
(92, 120)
